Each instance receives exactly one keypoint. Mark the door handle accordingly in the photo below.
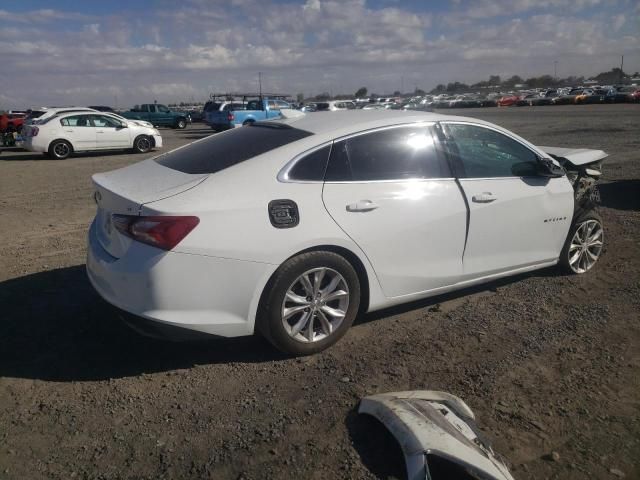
(99, 131)
(484, 197)
(362, 206)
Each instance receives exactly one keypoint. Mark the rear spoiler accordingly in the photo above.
(576, 156)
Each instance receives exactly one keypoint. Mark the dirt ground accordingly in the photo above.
(548, 362)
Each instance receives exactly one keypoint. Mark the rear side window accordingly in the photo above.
(393, 154)
(311, 168)
(224, 150)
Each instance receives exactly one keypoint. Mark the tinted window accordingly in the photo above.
(211, 106)
(312, 166)
(485, 153)
(393, 154)
(221, 151)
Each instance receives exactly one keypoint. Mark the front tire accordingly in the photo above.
(584, 244)
(142, 144)
(310, 303)
(181, 124)
(60, 149)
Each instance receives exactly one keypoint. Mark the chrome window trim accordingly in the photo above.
(283, 174)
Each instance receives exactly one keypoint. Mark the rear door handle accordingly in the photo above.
(362, 206)
(484, 197)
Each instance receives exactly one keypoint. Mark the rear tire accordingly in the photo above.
(305, 317)
(247, 122)
(142, 144)
(60, 149)
(584, 244)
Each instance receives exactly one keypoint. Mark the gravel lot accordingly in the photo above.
(548, 362)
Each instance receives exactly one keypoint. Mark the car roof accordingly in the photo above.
(352, 121)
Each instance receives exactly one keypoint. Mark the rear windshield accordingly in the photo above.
(224, 150)
(211, 106)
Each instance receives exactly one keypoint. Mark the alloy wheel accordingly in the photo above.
(144, 144)
(586, 246)
(315, 305)
(61, 150)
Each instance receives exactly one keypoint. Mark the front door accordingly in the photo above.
(110, 133)
(394, 196)
(79, 130)
(517, 218)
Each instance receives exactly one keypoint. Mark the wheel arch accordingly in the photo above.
(150, 137)
(73, 148)
(354, 259)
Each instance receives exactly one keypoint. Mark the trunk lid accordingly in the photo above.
(126, 190)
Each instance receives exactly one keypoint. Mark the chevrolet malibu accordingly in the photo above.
(291, 228)
(61, 135)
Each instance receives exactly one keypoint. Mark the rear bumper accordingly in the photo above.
(34, 144)
(212, 295)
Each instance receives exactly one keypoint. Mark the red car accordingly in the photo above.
(11, 122)
(508, 100)
(635, 96)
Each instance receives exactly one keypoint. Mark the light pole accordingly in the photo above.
(555, 70)
(260, 83)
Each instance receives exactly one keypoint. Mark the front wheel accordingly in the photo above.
(584, 244)
(142, 144)
(60, 149)
(181, 124)
(311, 303)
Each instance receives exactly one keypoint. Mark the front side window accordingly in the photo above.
(162, 109)
(76, 121)
(273, 105)
(485, 153)
(104, 121)
(392, 154)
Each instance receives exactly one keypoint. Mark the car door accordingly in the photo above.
(273, 109)
(517, 218)
(392, 192)
(79, 130)
(110, 132)
(163, 115)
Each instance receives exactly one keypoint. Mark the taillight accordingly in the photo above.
(157, 231)
(230, 117)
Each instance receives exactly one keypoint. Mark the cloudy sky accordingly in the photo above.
(135, 51)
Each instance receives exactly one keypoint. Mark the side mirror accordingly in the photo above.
(546, 168)
(123, 125)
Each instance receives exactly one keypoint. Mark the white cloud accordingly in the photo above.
(320, 45)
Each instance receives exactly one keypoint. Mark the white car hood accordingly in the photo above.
(577, 156)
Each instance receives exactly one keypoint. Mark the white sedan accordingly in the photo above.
(61, 135)
(294, 227)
